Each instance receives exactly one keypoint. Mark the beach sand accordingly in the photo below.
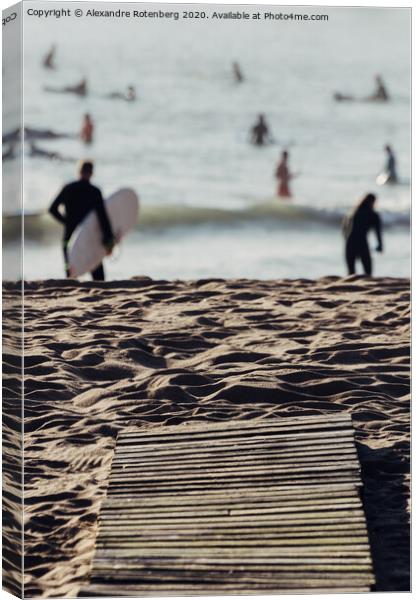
(142, 353)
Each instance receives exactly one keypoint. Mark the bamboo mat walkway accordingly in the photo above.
(243, 507)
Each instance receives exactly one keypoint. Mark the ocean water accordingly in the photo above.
(208, 197)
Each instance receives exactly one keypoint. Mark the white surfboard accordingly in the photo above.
(86, 250)
(382, 179)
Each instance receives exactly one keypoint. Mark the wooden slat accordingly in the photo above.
(237, 507)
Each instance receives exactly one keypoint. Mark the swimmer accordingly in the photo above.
(356, 226)
(259, 134)
(80, 89)
(87, 129)
(284, 176)
(128, 96)
(237, 73)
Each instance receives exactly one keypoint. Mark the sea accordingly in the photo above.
(208, 198)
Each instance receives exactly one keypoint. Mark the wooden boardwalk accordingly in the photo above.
(239, 507)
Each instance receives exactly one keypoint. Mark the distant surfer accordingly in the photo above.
(391, 166)
(87, 129)
(44, 134)
(129, 95)
(283, 176)
(79, 198)
(80, 89)
(260, 134)
(237, 72)
(36, 151)
(356, 226)
(48, 61)
(380, 94)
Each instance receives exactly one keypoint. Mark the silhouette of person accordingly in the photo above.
(391, 167)
(79, 198)
(87, 129)
(48, 61)
(129, 95)
(79, 88)
(237, 72)
(380, 93)
(356, 226)
(283, 175)
(260, 132)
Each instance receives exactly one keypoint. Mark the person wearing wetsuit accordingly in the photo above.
(391, 167)
(355, 228)
(260, 133)
(79, 198)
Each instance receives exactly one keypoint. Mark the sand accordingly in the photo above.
(142, 353)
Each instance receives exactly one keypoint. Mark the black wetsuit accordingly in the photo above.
(356, 227)
(259, 134)
(80, 198)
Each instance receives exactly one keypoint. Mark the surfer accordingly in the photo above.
(356, 226)
(79, 198)
(87, 129)
(237, 72)
(35, 150)
(48, 61)
(380, 94)
(129, 95)
(283, 175)
(44, 134)
(391, 167)
(260, 132)
(80, 89)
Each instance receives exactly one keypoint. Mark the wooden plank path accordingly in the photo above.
(243, 507)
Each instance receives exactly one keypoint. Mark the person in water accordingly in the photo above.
(79, 198)
(380, 94)
(391, 166)
(87, 129)
(48, 61)
(283, 175)
(37, 151)
(356, 226)
(260, 132)
(237, 73)
(80, 89)
(129, 95)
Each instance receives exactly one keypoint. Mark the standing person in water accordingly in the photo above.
(48, 61)
(87, 129)
(356, 226)
(283, 175)
(380, 94)
(79, 198)
(260, 132)
(237, 72)
(391, 166)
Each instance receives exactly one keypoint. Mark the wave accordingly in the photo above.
(172, 215)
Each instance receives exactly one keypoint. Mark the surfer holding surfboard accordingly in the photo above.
(80, 198)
